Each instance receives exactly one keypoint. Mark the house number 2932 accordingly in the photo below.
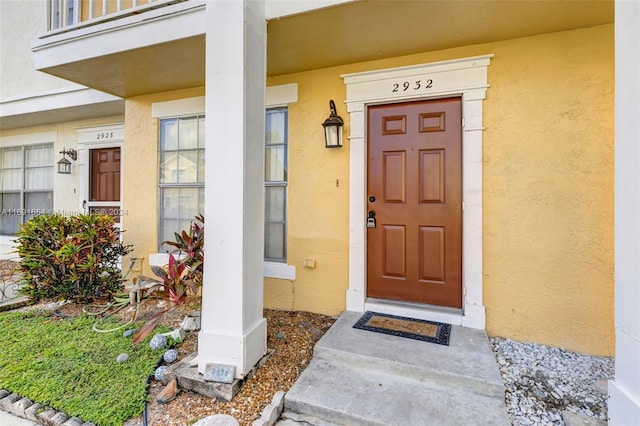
(416, 85)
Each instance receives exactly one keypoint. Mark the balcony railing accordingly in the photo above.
(63, 14)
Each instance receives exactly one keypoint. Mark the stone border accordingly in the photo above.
(271, 412)
(46, 416)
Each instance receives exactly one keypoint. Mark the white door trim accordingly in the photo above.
(467, 78)
(111, 136)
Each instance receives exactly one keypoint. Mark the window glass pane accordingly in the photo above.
(276, 127)
(275, 203)
(275, 166)
(201, 140)
(169, 167)
(201, 165)
(201, 201)
(169, 227)
(169, 202)
(179, 206)
(40, 156)
(11, 179)
(9, 221)
(274, 241)
(39, 178)
(188, 167)
(11, 158)
(169, 135)
(188, 133)
(39, 202)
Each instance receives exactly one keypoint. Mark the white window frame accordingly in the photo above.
(281, 96)
(162, 186)
(26, 140)
(276, 96)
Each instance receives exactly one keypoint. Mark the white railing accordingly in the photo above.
(64, 13)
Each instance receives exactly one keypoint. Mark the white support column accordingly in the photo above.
(624, 392)
(233, 329)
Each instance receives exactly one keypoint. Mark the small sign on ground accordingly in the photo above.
(219, 373)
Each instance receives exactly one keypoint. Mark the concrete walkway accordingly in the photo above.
(359, 377)
(7, 419)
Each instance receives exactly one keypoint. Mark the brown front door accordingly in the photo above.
(414, 186)
(104, 188)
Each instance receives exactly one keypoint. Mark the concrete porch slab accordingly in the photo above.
(358, 377)
(468, 360)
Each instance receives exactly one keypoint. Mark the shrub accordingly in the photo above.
(71, 257)
(190, 244)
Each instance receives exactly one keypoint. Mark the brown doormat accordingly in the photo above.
(427, 331)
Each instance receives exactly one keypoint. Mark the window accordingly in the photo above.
(26, 184)
(181, 175)
(275, 182)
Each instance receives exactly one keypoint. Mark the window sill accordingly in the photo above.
(279, 270)
(271, 269)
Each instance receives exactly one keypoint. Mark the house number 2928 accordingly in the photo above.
(104, 135)
(416, 85)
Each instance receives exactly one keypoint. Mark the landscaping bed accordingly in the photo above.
(291, 337)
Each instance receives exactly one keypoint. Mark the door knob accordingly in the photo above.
(371, 213)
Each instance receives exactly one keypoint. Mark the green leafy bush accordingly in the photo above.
(71, 257)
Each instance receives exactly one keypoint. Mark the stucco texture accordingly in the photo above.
(140, 190)
(547, 189)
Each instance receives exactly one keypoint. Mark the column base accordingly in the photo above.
(242, 351)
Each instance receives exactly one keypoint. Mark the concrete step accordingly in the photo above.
(468, 362)
(339, 394)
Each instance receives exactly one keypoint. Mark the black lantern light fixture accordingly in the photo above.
(64, 165)
(333, 128)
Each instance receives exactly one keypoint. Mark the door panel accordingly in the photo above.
(104, 185)
(415, 176)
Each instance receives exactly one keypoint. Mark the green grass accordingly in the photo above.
(66, 365)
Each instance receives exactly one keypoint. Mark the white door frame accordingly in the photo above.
(467, 78)
(110, 136)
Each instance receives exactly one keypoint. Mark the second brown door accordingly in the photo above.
(414, 183)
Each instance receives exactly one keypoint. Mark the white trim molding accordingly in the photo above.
(186, 106)
(467, 78)
(29, 139)
(280, 95)
(105, 136)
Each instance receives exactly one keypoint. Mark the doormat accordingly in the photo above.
(427, 331)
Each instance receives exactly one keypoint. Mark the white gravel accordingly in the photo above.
(541, 382)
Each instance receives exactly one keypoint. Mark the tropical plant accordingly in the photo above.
(71, 257)
(181, 277)
(190, 245)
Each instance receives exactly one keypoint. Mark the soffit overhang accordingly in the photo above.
(165, 49)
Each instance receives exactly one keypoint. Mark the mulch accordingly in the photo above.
(291, 336)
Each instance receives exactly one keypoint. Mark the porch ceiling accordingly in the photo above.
(374, 29)
(352, 32)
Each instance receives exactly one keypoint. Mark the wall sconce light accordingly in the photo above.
(64, 165)
(333, 128)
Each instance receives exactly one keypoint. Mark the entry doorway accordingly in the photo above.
(414, 202)
(104, 182)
